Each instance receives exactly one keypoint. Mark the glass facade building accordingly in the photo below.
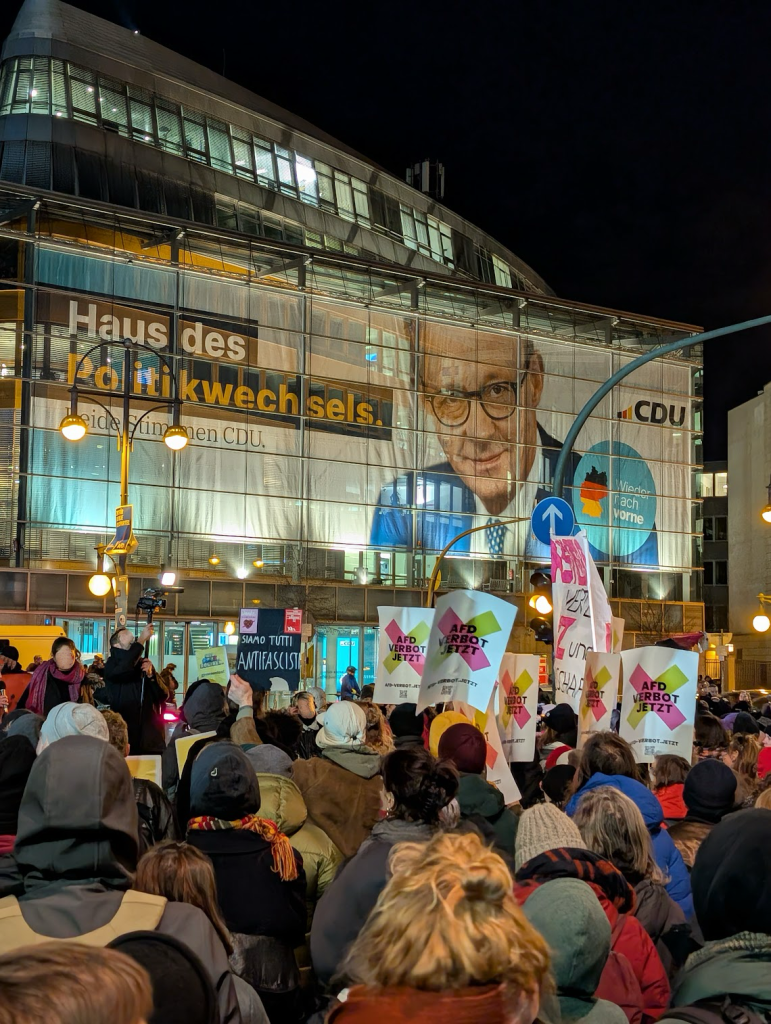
(362, 374)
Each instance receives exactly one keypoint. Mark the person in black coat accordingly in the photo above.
(132, 689)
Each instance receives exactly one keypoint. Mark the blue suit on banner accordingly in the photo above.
(448, 507)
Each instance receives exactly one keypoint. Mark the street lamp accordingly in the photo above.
(74, 428)
(761, 623)
(100, 583)
(766, 513)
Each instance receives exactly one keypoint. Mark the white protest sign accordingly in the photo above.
(659, 702)
(401, 653)
(582, 615)
(518, 705)
(467, 641)
(599, 695)
(498, 771)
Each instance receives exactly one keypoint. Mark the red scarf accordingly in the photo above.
(284, 861)
(36, 692)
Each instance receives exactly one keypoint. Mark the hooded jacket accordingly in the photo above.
(252, 896)
(579, 939)
(76, 851)
(665, 922)
(137, 697)
(477, 798)
(634, 978)
(665, 852)
(204, 709)
(341, 913)
(343, 792)
(672, 805)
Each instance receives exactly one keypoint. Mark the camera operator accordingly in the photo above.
(131, 688)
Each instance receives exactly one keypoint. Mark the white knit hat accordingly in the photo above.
(70, 719)
(344, 725)
(541, 828)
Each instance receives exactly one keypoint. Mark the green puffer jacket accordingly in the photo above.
(484, 805)
(282, 802)
(740, 966)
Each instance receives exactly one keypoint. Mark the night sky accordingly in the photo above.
(623, 149)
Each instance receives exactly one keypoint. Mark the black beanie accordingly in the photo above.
(709, 790)
(182, 990)
(556, 782)
(731, 878)
(404, 721)
(17, 755)
(745, 723)
(223, 783)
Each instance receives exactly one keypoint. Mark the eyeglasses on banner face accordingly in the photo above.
(498, 400)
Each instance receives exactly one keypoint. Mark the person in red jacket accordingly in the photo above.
(549, 846)
(669, 774)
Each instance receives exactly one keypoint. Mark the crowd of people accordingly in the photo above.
(342, 861)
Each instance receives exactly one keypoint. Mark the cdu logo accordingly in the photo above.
(653, 412)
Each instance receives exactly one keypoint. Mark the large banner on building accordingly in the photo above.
(467, 641)
(659, 702)
(401, 653)
(363, 429)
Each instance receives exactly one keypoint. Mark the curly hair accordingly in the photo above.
(448, 919)
(419, 784)
(378, 735)
(747, 750)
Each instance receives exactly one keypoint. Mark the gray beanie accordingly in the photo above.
(541, 828)
(269, 760)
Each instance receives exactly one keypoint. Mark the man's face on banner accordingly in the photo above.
(484, 408)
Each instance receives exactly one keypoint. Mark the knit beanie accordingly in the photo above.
(745, 723)
(440, 725)
(223, 783)
(709, 790)
(269, 760)
(404, 721)
(27, 725)
(541, 828)
(557, 781)
(465, 746)
(17, 756)
(731, 877)
(561, 719)
(344, 725)
(70, 719)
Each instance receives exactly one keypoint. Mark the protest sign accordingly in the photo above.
(518, 705)
(468, 638)
(401, 653)
(145, 766)
(599, 695)
(183, 744)
(582, 616)
(618, 634)
(498, 771)
(213, 664)
(269, 647)
(659, 702)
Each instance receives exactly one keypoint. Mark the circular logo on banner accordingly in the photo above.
(614, 497)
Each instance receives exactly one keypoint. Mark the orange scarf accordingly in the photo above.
(284, 860)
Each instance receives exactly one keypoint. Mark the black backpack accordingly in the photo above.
(716, 1011)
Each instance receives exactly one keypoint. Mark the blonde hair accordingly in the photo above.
(613, 827)
(68, 983)
(116, 723)
(378, 733)
(747, 749)
(183, 874)
(448, 919)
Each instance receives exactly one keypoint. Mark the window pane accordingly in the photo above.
(243, 154)
(361, 201)
(344, 195)
(58, 89)
(721, 528)
(285, 171)
(721, 485)
(141, 121)
(709, 531)
(195, 138)
(721, 573)
(306, 180)
(706, 485)
(169, 129)
(263, 162)
(83, 88)
(219, 145)
(7, 80)
(709, 577)
(112, 105)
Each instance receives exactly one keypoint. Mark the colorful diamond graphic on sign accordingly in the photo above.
(514, 707)
(468, 643)
(594, 705)
(403, 650)
(657, 696)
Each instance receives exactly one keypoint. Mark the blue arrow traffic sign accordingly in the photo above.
(552, 514)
